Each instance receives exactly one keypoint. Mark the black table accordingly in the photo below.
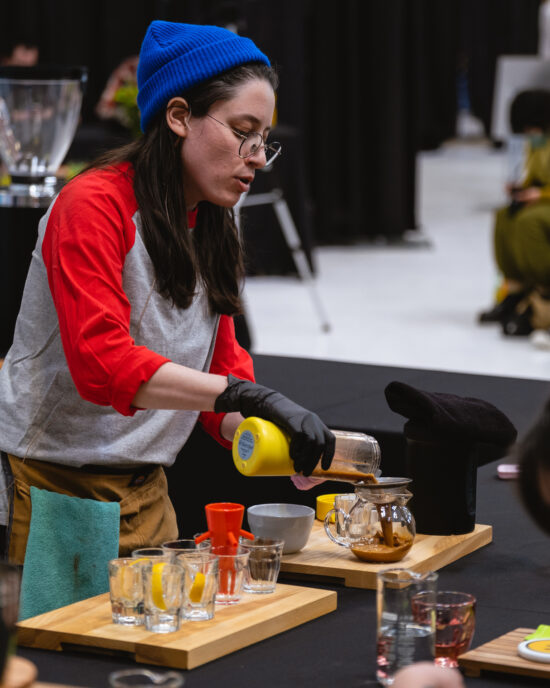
(350, 396)
(510, 577)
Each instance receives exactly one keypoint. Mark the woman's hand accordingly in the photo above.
(310, 439)
(529, 195)
(427, 675)
(303, 482)
(174, 386)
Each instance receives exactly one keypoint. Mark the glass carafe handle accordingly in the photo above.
(344, 542)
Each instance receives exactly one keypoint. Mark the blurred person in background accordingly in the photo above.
(522, 228)
(18, 54)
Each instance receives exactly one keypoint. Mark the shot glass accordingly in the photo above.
(143, 678)
(201, 585)
(126, 591)
(176, 547)
(231, 568)
(162, 596)
(264, 563)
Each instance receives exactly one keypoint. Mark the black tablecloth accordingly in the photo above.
(510, 577)
(350, 396)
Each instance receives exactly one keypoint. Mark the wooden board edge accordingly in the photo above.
(366, 579)
(483, 537)
(474, 667)
(474, 661)
(361, 579)
(38, 639)
(59, 613)
(46, 639)
(488, 646)
(324, 603)
(456, 552)
(337, 574)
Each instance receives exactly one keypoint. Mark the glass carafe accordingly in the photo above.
(387, 525)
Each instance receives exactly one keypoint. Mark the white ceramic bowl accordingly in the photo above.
(289, 522)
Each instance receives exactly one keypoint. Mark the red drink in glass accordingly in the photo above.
(455, 624)
(455, 619)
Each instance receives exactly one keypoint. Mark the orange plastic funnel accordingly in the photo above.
(224, 520)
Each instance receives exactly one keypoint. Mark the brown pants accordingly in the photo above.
(147, 517)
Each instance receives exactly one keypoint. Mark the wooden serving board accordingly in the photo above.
(501, 655)
(88, 624)
(322, 558)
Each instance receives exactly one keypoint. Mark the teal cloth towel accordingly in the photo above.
(71, 541)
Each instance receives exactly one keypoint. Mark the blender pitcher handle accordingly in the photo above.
(332, 536)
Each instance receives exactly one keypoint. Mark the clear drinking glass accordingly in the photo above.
(162, 596)
(144, 678)
(231, 568)
(264, 563)
(176, 547)
(152, 554)
(455, 620)
(126, 591)
(201, 585)
(404, 637)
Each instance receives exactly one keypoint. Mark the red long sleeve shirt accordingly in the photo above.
(90, 232)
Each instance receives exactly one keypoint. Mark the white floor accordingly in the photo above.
(413, 307)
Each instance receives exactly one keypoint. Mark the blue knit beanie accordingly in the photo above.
(174, 57)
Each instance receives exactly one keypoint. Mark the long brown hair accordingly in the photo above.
(212, 252)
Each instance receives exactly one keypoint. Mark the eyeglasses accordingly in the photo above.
(252, 143)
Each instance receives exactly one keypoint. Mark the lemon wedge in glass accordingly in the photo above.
(195, 593)
(156, 586)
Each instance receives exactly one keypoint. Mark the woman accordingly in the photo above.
(125, 334)
(522, 228)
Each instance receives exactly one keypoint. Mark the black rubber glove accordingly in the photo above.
(310, 439)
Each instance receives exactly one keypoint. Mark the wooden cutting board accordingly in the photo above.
(322, 558)
(254, 618)
(501, 655)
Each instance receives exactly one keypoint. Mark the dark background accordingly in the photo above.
(365, 84)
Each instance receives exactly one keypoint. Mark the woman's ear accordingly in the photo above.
(178, 113)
